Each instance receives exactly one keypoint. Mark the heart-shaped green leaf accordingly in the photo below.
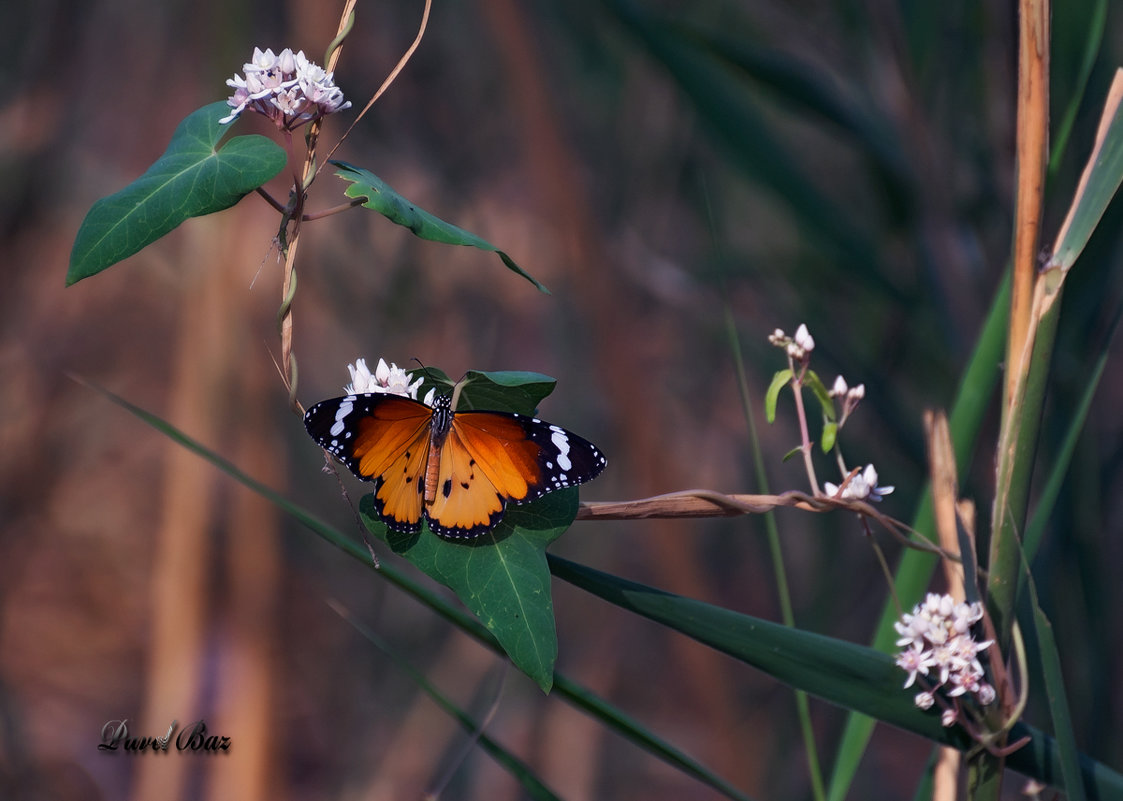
(497, 391)
(191, 179)
(502, 577)
(505, 391)
(381, 197)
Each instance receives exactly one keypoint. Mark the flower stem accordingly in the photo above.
(801, 413)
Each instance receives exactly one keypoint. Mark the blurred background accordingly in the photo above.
(843, 164)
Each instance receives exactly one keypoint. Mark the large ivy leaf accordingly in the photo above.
(497, 391)
(381, 197)
(502, 577)
(505, 391)
(194, 177)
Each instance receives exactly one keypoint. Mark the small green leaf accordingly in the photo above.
(791, 453)
(779, 381)
(815, 384)
(500, 391)
(381, 197)
(505, 391)
(191, 179)
(502, 577)
(830, 434)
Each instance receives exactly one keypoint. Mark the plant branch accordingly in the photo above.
(317, 215)
(708, 503)
(389, 78)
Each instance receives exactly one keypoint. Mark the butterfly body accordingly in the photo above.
(455, 470)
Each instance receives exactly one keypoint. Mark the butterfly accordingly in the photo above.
(457, 470)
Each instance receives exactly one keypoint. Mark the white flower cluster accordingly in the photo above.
(287, 88)
(861, 487)
(799, 346)
(937, 644)
(386, 379)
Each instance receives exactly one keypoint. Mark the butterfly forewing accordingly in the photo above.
(525, 457)
(380, 438)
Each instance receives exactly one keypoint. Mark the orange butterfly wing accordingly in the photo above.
(380, 438)
(466, 503)
(482, 459)
(490, 458)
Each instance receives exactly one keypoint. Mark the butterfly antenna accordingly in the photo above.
(428, 373)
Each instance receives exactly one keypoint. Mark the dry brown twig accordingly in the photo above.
(294, 212)
(708, 503)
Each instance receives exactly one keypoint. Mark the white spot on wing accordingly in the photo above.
(346, 406)
(561, 442)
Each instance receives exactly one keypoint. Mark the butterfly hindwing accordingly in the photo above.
(466, 503)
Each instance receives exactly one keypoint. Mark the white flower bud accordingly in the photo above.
(804, 339)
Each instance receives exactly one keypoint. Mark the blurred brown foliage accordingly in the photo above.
(137, 582)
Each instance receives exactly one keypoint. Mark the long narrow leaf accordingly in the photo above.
(779, 571)
(1058, 700)
(564, 687)
(849, 675)
(815, 95)
(381, 197)
(915, 569)
(1035, 529)
(522, 772)
(1098, 184)
(596, 707)
(1093, 40)
(733, 116)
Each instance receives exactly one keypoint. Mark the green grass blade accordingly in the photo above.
(1058, 701)
(1040, 759)
(843, 673)
(1051, 490)
(613, 718)
(1092, 41)
(803, 707)
(731, 114)
(1098, 184)
(522, 772)
(915, 569)
(572, 692)
(500, 576)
